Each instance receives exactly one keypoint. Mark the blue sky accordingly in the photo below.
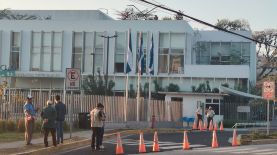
(261, 14)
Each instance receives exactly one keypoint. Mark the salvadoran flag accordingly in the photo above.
(140, 55)
(151, 57)
(129, 55)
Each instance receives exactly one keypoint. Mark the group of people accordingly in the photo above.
(53, 116)
(209, 114)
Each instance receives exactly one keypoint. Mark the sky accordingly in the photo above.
(261, 14)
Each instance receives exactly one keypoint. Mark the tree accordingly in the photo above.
(96, 86)
(173, 88)
(131, 14)
(266, 54)
(238, 24)
(7, 14)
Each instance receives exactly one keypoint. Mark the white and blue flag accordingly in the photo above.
(129, 56)
(140, 55)
(151, 57)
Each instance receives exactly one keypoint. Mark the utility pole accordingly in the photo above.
(107, 69)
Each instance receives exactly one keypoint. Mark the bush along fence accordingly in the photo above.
(11, 106)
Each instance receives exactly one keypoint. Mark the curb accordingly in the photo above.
(81, 143)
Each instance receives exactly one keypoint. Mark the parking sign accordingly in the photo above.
(72, 81)
(269, 90)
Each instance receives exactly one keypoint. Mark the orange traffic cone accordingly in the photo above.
(205, 125)
(142, 148)
(119, 148)
(211, 126)
(186, 142)
(200, 125)
(235, 139)
(215, 126)
(214, 141)
(221, 126)
(156, 147)
(194, 127)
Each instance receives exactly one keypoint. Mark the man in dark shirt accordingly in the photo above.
(61, 111)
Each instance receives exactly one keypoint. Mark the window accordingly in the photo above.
(15, 52)
(120, 47)
(99, 52)
(46, 51)
(144, 49)
(171, 52)
(77, 52)
(88, 58)
(57, 52)
(222, 53)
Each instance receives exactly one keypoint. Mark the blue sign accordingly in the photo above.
(6, 72)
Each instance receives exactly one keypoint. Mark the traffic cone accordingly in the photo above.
(156, 147)
(194, 127)
(119, 148)
(205, 125)
(235, 139)
(215, 126)
(221, 126)
(211, 126)
(200, 125)
(142, 148)
(214, 141)
(186, 142)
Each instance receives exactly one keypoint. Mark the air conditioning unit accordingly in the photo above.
(180, 70)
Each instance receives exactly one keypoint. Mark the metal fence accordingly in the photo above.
(11, 106)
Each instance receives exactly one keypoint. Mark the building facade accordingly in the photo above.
(41, 50)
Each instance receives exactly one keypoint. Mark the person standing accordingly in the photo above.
(49, 116)
(29, 112)
(103, 117)
(61, 111)
(199, 115)
(96, 125)
(210, 115)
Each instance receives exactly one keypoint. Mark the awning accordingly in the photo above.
(236, 92)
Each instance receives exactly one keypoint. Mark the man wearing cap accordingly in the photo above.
(29, 112)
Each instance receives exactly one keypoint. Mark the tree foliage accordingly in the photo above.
(238, 24)
(7, 14)
(266, 54)
(96, 86)
(131, 14)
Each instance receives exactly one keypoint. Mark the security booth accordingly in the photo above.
(191, 101)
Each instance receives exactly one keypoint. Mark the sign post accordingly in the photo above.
(268, 94)
(72, 82)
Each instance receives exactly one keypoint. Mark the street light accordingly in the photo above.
(106, 76)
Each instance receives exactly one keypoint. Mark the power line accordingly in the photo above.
(205, 23)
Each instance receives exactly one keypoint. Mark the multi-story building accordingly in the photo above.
(42, 46)
(40, 50)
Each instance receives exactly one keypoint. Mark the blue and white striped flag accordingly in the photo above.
(140, 55)
(129, 56)
(151, 57)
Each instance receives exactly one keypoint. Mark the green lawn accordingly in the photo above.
(15, 136)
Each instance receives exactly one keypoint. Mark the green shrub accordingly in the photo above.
(65, 126)
(21, 125)
(38, 124)
(2, 126)
(10, 125)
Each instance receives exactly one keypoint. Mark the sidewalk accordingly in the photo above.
(18, 144)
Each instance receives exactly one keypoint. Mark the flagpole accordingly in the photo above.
(126, 98)
(138, 96)
(149, 98)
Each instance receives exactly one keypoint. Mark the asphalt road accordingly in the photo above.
(170, 143)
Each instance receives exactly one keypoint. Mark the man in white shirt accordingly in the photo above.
(199, 115)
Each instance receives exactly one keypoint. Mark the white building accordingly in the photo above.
(41, 50)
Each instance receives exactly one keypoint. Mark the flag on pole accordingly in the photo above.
(151, 57)
(129, 56)
(140, 55)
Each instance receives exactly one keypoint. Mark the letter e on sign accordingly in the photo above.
(72, 79)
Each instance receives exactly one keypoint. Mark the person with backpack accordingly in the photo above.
(96, 125)
(49, 116)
